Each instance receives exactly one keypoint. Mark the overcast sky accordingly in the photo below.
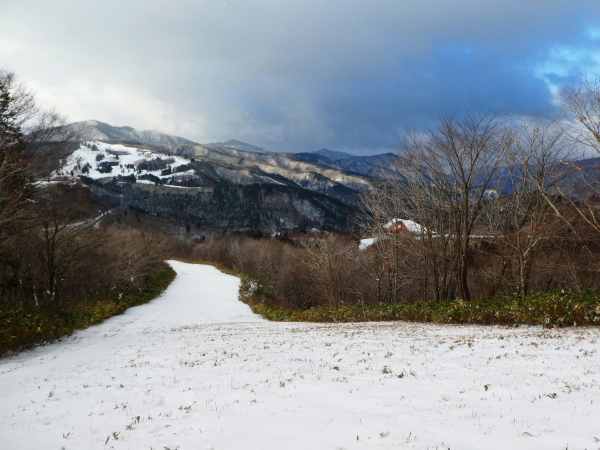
(296, 75)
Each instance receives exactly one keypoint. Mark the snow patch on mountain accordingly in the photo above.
(92, 159)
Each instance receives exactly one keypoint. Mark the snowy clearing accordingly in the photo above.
(195, 369)
(125, 160)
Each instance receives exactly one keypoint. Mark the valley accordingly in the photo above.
(229, 185)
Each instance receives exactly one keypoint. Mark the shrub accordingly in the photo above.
(554, 309)
(23, 327)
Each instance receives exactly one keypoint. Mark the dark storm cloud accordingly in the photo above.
(453, 78)
(296, 75)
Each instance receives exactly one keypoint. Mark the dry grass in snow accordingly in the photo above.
(195, 369)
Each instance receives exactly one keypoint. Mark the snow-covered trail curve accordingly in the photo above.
(196, 369)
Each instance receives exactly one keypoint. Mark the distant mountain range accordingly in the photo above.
(333, 155)
(231, 184)
(237, 145)
(94, 130)
(242, 153)
(220, 184)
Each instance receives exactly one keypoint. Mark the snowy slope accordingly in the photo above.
(120, 154)
(195, 369)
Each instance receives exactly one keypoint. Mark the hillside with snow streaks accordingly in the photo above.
(210, 193)
(195, 369)
(85, 160)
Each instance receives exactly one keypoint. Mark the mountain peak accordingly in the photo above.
(333, 154)
(94, 130)
(238, 145)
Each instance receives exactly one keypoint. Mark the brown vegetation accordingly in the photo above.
(475, 241)
(539, 235)
(52, 247)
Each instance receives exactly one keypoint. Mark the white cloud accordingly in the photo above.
(569, 62)
(268, 71)
(9, 47)
(594, 33)
(76, 98)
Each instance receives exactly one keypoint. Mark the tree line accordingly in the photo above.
(506, 205)
(53, 247)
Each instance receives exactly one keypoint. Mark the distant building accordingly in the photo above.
(405, 225)
(394, 226)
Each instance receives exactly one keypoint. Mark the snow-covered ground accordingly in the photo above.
(123, 155)
(195, 369)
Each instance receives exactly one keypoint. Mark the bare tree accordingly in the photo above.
(407, 264)
(579, 106)
(132, 254)
(526, 219)
(457, 161)
(24, 127)
(53, 247)
(332, 267)
(449, 171)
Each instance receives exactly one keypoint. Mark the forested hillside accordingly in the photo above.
(267, 206)
(60, 268)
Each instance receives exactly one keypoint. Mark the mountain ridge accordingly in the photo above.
(289, 187)
(237, 151)
(94, 130)
(237, 145)
(223, 188)
(333, 155)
